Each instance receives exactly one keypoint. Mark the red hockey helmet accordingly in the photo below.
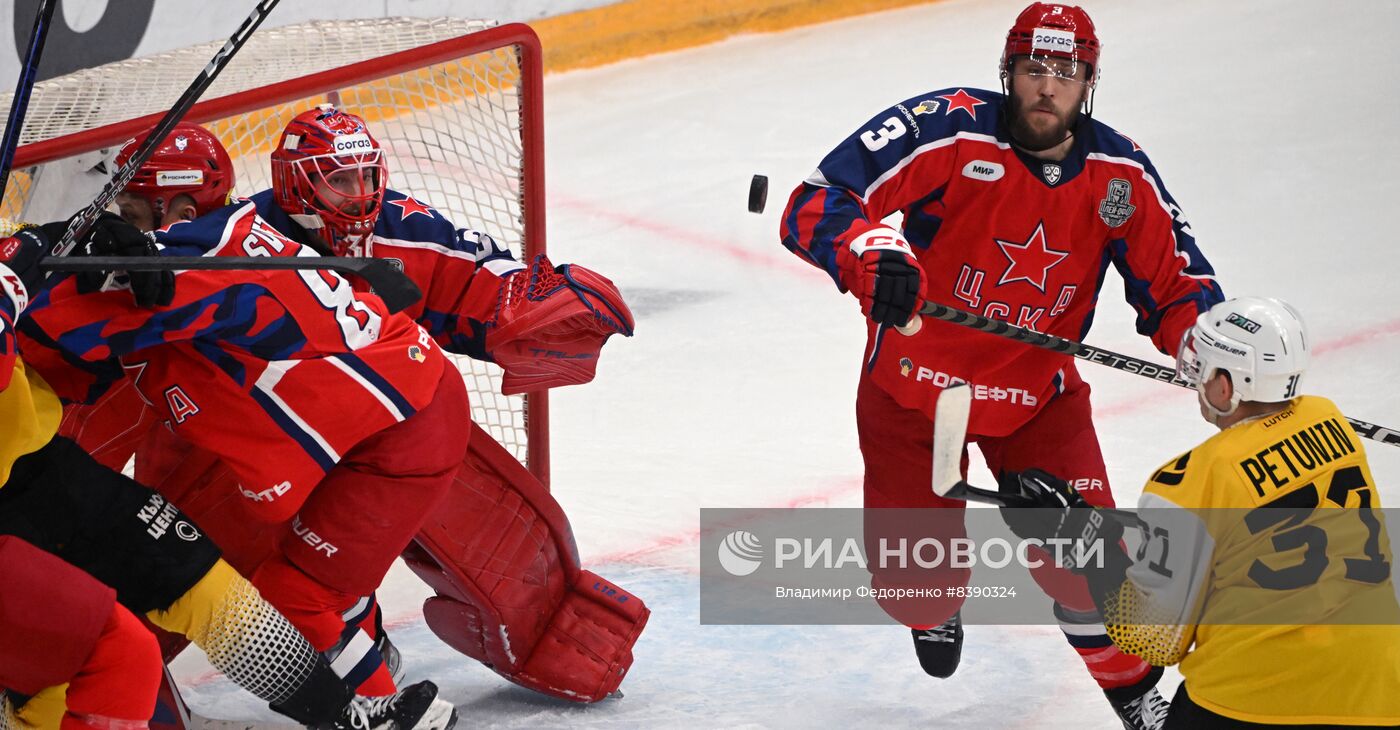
(191, 161)
(328, 169)
(1053, 30)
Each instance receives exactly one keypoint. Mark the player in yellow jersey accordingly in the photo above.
(56, 497)
(1263, 568)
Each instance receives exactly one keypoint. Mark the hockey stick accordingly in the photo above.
(1126, 363)
(392, 285)
(20, 104)
(950, 433)
(79, 225)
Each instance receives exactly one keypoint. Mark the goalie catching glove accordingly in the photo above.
(550, 324)
(879, 268)
(1051, 509)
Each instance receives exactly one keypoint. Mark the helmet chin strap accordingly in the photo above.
(1217, 415)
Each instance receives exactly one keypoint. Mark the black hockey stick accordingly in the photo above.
(950, 433)
(79, 225)
(20, 104)
(1126, 363)
(392, 285)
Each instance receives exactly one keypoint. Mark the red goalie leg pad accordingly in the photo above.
(550, 325)
(584, 652)
(500, 554)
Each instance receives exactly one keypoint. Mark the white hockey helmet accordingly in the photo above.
(1261, 342)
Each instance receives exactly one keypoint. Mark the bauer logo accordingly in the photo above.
(741, 553)
(352, 143)
(1050, 39)
(179, 178)
(983, 170)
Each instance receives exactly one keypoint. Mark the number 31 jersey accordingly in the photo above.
(1265, 548)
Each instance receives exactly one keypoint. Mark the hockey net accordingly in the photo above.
(455, 103)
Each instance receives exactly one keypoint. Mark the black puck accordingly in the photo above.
(758, 193)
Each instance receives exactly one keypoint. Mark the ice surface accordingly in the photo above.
(1275, 126)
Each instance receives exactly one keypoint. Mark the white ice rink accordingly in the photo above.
(1274, 123)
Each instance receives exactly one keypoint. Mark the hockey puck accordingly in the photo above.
(758, 193)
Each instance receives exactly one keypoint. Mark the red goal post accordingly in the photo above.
(456, 104)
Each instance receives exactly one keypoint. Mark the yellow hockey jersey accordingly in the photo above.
(29, 415)
(1265, 570)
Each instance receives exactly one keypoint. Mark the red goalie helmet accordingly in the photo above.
(191, 161)
(1050, 29)
(329, 172)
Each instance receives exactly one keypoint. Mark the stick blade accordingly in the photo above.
(949, 435)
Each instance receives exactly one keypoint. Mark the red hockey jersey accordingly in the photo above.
(278, 373)
(459, 270)
(1005, 235)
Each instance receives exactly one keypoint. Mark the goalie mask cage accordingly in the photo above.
(456, 104)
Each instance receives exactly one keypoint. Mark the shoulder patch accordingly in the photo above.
(1116, 207)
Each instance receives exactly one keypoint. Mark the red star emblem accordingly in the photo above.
(962, 100)
(1030, 261)
(409, 206)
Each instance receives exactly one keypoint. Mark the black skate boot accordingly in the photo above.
(940, 647)
(1141, 706)
(416, 707)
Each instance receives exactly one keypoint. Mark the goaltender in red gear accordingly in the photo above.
(544, 325)
(547, 625)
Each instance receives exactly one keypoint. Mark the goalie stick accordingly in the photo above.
(20, 103)
(1126, 363)
(392, 285)
(949, 435)
(79, 225)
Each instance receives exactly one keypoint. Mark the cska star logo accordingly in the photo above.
(409, 207)
(1030, 261)
(960, 99)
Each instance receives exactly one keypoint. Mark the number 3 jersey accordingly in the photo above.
(280, 373)
(1266, 571)
(1005, 235)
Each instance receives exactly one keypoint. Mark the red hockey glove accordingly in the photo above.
(551, 323)
(20, 277)
(879, 268)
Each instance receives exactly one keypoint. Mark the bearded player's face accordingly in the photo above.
(1045, 98)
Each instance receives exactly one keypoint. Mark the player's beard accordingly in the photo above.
(1043, 138)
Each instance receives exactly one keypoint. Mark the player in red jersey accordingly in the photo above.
(188, 175)
(238, 365)
(1014, 206)
(59, 626)
(159, 563)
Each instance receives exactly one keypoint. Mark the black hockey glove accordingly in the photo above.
(880, 269)
(113, 236)
(20, 277)
(1052, 510)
